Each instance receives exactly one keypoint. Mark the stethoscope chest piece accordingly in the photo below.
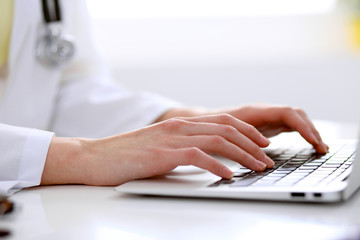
(54, 49)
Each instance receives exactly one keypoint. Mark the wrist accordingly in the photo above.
(65, 162)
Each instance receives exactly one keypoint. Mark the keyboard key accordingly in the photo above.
(305, 157)
(271, 178)
(329, 166)
(222, 181)
(289, 165)
(325, 157)
(240, 174)
(331, 161)
(257, 175)
(304, 170)
(317, 161)
(332, 165)
(282, 173)
(321, 173)
(293, 164)
(321, 168)
(277, 165)
(299, 159)
(290, 169)
(309, 164)
(341, 159)
(283, 159)
(243, 168)
(287, 156)
(303, 174)
(308, 167)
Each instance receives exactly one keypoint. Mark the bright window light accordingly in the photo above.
(206, 8)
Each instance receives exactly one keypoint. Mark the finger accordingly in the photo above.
(296, 122)
(196, 157)
(323, 148)
(220, 146)
(219, 135)
(248, 130)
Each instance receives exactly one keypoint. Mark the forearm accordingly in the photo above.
(65, 162)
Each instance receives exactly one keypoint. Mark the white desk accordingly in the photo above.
(83, 212)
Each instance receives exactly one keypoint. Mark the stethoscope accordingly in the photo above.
(54, 48)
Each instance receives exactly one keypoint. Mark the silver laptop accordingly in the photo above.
(299, 174)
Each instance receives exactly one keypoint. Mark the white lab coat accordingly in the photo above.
(77, 100)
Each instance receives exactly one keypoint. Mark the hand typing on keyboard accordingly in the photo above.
(179, 137)
(271, 120)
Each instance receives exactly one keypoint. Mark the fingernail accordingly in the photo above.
(272, 163)
(262, 166)
(228, 174)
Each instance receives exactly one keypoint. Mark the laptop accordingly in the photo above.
(299, 174)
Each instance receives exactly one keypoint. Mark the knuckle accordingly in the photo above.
(225, 117)
(173, 124)
(230, 130)
(288, 109)
(300, 111)
(287, 112)
(252, 130)
(217, 140)
(193, 153)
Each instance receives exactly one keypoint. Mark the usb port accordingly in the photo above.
(298, 194)
(317, 195)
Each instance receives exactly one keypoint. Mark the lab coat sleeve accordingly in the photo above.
(91, 108)
(90, 103)
(23, 153)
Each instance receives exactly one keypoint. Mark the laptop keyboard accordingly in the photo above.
(303, 167)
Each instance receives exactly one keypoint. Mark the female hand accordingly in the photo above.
(270, 120)
(157, 149)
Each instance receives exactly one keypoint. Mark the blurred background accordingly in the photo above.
(215, 53)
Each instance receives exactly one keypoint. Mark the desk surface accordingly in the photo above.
(84, 212)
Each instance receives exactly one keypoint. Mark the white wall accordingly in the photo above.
(302, 60)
